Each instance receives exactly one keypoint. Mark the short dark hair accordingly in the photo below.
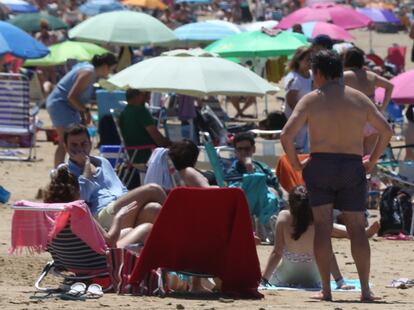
(183, 154)
(328, 63)
(354, 57)
(74, 130)
(243, 136)
(323, 40)
(131, 93)
(104, 59)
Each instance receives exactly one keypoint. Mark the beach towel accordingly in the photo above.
(262, 203)
(353, 282)
(34, 229)
(158, 171)
(287, 176)
(204, 230)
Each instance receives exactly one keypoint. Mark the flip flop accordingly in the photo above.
(94, 291)
(76, 292)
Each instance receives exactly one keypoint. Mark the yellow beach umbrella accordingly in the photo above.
(149, 4)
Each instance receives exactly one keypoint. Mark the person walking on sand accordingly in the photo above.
(335, 173)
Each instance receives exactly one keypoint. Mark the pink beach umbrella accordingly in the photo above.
(403, 92)
(313, 29)
(340, 15)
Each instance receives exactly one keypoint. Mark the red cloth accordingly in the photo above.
(287, 176)
(34, 229)
(205, 230)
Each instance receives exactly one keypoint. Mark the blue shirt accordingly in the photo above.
(104, 186)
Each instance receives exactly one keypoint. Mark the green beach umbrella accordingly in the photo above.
(61, 52)
(258, 44)
(125, 28)
(192, 72)
(30, 22)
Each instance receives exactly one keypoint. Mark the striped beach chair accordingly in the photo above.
(17, 125)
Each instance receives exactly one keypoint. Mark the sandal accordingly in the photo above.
(94, 291)
(76, 292)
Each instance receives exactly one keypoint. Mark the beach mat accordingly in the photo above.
(353, 282)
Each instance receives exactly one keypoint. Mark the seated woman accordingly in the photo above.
(292, 261)
(184, 156)
(64, 187)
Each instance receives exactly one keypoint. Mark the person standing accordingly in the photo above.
(335, 174)
(66, 104)
(298, 82)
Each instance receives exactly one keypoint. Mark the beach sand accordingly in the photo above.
(390, 259)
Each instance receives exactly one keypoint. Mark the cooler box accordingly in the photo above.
(111, 152)
(109, 100)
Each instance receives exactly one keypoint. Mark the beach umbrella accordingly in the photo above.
(123, 28)
(148, 4)
(403, 92)
(95, 7)
(205, 31)
(379, 15)
(340, 15)
(15, 41)
(258, 44)
(61, 52)
(30, 22)
(313, 29)
(259, 25)
(194, 73)
(19, 6)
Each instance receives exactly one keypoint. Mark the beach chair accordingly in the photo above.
(17, 119)
(126, 167)
(206, 232)
(74, 259)
(396, 56)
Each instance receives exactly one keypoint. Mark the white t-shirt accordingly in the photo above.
(295, 81)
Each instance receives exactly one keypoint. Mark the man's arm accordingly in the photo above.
(377, 120)
(156, 136)
(296, 121)
(388, 86)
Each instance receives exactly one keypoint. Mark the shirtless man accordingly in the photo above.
(335, 174)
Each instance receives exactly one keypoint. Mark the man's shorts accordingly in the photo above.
(105, 216)
(337, 179)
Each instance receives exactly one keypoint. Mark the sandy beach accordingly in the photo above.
(390, 259)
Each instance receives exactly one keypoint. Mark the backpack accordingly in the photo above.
(396, 211)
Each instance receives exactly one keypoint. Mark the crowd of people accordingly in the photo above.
(331, 113)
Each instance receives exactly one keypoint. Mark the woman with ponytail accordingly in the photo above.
(66, 104)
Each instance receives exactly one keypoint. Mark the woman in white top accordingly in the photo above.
(298, 82)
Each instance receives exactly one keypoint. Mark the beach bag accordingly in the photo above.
(395, 211)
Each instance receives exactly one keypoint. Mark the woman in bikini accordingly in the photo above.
(356, 76)
(292, 262)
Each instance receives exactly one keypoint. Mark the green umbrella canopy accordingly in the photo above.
(61, 52)
(30, 22)
(194, 73)
(123, 28)
(258, 44)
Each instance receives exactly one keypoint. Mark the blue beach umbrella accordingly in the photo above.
(95, 7)
(379, 15)
(205, 31)
(15, 41)
(19, 6)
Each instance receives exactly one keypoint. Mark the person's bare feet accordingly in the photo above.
(373, 229)
(346, 287)
(322, 296)
(369, 297)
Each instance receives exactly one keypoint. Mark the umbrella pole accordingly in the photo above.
(371, 50)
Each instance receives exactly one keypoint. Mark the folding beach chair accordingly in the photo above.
(126, 168)
(396, 56)
(74, 259)
(205, 232)
(17, 120)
